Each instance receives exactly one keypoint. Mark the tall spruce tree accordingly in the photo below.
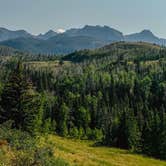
(20, 103)
(62, 122)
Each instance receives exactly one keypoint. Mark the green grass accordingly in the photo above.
(65, 151)
(83, 153)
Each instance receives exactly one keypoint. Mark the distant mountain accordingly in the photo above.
(6, 34)
(29, 44)
(104, 33)
(145, 36)
(47, 35)
(67, 44)
(88, 37)
(60, 44)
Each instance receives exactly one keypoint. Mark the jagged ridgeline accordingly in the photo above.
(88, 37)
(114, 95)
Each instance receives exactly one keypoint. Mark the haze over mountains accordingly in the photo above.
(88, 37)
(6, 34)
(47, 35)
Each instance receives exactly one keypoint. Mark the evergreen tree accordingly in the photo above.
(20, 102)
(83, 118)
(62, 120)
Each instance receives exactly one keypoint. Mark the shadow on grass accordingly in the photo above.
(113, 148)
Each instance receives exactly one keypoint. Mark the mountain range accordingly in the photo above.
(88, 37)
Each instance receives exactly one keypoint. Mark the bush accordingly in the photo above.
(23, 149)
(74, 132)
(95, 134)
(40, 157)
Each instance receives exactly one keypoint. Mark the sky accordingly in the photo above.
(128, 16)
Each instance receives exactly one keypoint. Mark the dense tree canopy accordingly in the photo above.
(115, 95)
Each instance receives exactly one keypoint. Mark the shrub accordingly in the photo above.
(20, 148)
(95, 134)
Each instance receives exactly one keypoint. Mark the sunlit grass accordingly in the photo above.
(83, 153)
(45, 64)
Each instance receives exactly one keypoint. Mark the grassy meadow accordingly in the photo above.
(84, 153)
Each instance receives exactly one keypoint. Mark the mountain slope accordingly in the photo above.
(25, 44)
(47, 35)
(114, 50)
(67, 44)
(145, 36)
(60, 44)
(88, 37)
(6, 34)
(105, 33)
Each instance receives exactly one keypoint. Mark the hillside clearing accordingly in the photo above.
(84, 153)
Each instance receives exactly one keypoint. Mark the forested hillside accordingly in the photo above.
(115, 96)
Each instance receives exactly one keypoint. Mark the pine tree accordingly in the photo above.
(63, 117)
(162, 135)
(83, 118)
(32, 107)
(11, 98)
(20, 103)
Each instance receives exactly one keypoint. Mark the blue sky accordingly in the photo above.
(128, 16)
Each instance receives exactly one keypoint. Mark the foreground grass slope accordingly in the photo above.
(84, 153)
(67, 152)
